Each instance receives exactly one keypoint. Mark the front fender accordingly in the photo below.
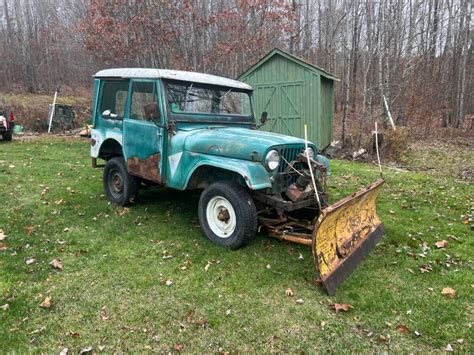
(253, 173)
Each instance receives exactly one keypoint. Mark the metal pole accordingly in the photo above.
(309, 165)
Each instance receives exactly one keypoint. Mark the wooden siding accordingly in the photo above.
(293, 95)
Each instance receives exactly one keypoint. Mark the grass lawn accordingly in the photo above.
(146, 278)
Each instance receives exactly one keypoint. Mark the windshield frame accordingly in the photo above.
(198, 117)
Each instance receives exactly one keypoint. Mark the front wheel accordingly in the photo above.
(227, 214)
(120, 187)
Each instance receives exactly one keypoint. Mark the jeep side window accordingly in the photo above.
(114, 97)
(144, 104)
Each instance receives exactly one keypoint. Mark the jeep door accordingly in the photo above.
(143, 131)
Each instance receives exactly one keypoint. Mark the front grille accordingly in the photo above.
(289, 153)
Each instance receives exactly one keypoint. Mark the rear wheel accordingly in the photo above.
(7, 137)
(121, 187)
(227, 214)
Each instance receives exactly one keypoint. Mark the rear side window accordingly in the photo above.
(144, 104)
(113, 97)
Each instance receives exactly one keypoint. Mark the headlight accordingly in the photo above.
(310, 153)
(272, 160)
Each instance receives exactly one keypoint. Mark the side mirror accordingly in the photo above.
(264, 118)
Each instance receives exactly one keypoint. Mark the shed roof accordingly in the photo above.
(150, 73)
(291, 57)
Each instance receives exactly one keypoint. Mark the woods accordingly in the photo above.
(415, 54)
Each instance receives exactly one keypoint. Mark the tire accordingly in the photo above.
(120, 187)
(7, 137)
(227, 214)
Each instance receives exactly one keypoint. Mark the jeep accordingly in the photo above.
(193, 131)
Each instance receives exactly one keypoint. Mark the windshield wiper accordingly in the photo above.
(220, 98)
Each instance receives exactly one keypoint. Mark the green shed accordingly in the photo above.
(293, 92)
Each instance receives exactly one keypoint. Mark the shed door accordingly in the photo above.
(284, 104)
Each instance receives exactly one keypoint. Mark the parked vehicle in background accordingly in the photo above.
(7, 122)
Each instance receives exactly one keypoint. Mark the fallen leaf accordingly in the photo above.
(75, 334)
(402, 328)
(448, 291)
(228, 312)
(5, 307)
(86, 350)
(59, 202)
(300, 301)
(46, 303)
(178, 347)
(103, 314)
(55, 263)
(66, 229)
(341, 307)
(460, 341)
(202, 321)
(189, 317)
(64, 351)
(2, 235)
(268, 266)
(30, 229)
(441, 244)
(3, 246)
(166, 282)
(123, 211)
(449, 348)
(289, 292)
(206, 268)
(37, 331)
(45, 191)
(301, 257)
(30, 261)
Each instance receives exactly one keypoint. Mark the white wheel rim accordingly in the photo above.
(221, 216)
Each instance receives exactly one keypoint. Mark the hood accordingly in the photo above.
(234, 142)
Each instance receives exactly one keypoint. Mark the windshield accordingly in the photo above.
(194, 98)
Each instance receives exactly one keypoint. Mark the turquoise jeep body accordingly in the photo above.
(192, 131)
(184, 150)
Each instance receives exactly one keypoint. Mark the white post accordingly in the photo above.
(377, 148)
(389, 114)
(51, 114)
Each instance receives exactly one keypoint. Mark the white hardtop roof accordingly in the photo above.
(149, 73)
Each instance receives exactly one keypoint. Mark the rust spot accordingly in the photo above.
(148, 168)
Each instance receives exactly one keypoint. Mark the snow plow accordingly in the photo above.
(340, 237)
(197, 132)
